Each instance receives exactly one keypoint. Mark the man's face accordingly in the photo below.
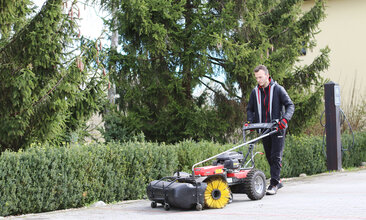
(262, 78)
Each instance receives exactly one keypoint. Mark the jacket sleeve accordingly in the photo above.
(251, 107)
(287, 102)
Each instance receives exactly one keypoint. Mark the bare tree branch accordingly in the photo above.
(222, 85)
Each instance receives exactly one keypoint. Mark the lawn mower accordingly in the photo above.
(213, 186)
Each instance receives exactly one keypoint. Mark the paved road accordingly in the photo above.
(338, 195)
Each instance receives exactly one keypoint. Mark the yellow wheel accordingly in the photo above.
(217, 193)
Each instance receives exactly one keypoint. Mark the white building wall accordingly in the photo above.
(344, 31)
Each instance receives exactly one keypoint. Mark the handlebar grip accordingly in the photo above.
(256, 126)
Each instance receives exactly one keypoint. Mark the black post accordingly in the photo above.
(332, 126)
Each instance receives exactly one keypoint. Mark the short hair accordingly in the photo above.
(261, 67)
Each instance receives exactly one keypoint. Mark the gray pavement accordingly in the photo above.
(335, 195)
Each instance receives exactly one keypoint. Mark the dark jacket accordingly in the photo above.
(267, 104)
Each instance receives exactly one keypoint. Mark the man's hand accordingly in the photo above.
(247, 124)
(282, 124)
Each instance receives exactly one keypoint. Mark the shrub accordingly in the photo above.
(303, 155)
(47, 178)
(353, 156)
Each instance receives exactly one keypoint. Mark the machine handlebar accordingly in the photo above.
(263, 128)
(257, 126)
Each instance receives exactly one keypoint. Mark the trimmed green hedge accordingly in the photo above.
(303, 155)
(50, 178)
(46, 179)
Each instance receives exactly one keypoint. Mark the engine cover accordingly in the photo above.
(230, 160)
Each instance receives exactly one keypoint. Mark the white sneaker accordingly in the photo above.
(272, 190)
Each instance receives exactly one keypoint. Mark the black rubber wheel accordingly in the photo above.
(255, 184)
(154, 204)
(199, 207)
(166, 206)
(231, 197)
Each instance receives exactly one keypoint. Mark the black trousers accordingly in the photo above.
(273, 147)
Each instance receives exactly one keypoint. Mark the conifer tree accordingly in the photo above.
(158, 70)
(171, 47)
(276, 33)
(49, 87)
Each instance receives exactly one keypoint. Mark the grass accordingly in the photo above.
(354, 110)
(356, 115)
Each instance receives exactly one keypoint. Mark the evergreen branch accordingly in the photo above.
(28, 27)
(280, 9)
(309, 74)
(50, 91)
(315, 15)
(16, 70)
(151, 59)
(43, 97)
(283, 31)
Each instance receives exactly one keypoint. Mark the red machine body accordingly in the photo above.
(209, 170)
(240, 174)
(214, 170)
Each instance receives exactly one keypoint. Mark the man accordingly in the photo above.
(267, 102)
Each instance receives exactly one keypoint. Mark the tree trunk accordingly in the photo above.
(114, 44)
(187, 72)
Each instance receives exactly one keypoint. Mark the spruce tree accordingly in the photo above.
(171, 47)
(49, 83)
(275, 33)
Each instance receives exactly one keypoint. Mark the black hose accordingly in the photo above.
(341, 122)
(350, 128)
(323, 125)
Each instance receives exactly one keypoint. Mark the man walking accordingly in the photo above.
(269, 101)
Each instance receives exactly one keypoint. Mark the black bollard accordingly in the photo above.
(332, 98)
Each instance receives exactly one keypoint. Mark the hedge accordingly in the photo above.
(49, 178)
(46, 179)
